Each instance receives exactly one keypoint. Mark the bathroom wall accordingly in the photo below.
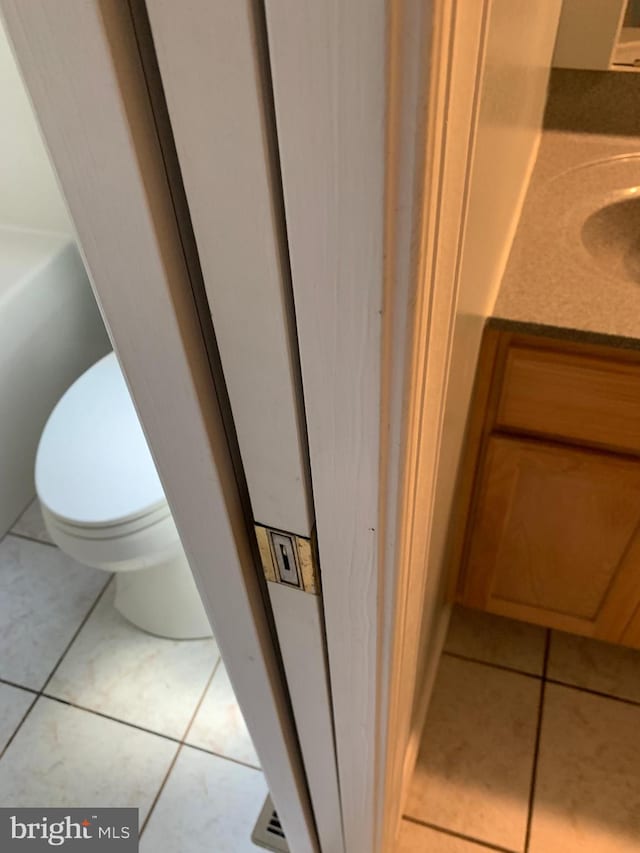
(514, 81)
(50, 330)
(29, 194)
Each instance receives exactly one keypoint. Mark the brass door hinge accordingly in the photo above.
(288, 559)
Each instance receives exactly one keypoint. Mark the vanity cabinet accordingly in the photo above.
(549, 511)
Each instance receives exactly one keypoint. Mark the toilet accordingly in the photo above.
(103, 504)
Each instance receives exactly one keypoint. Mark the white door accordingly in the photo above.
(211, 61)
(87, 77)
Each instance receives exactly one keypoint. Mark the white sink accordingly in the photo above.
(597, 208)
(611, 236)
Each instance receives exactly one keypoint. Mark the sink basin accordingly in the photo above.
(575, 259)
(593, 217)
(611, 236)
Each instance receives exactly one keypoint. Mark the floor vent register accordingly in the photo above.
(268, 832)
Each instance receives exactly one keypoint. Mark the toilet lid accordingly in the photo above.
(93, 465)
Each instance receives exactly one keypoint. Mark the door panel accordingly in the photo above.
(329, 72)
(555, 537)
(212, 75)
(299, 619)
(214, 70)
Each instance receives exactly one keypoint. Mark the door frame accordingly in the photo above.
(83, 72)
(376, 107)
(417, 566)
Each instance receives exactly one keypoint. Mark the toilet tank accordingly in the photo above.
(50, 332)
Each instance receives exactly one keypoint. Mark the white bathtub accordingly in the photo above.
(50, 332)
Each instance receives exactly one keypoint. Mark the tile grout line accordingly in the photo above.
(161, 788)
(557, 681)
(40, 692)
(75, 633)
(19, 726)
(181, 745)
(224, 757)
(37, 694)
(26, 538)
(633, 702)
(452, 832)
(500, 666)
(9, 530)
(61, 701)
(185, 742)
(536, 749)
(19, 686)
(187, 729)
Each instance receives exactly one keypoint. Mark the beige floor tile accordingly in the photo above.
(595, 665)
(474, 770)
(117, 669)
(209, 805)
(219, 725)
(13, 706)
(31, 524)
(65, 757)
(45, 597)
(588, 780)
(421, 839)
(494, 639)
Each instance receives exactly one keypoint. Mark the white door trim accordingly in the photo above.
(83, 72)
(416, 557)
(375, 106)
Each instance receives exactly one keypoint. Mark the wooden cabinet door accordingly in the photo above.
(554, 538)
(631, 634)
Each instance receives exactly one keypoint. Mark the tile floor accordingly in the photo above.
(532, 745)
(93, 710)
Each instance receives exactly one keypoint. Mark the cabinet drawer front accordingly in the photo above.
(565, 395)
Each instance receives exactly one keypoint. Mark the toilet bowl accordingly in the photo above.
(103, 504)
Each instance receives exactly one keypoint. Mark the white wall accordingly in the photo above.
(520, 45)
(519, 48)
(29, 194)
(520, 42)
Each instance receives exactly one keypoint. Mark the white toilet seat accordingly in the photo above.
(103, 504)
(93, 465)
